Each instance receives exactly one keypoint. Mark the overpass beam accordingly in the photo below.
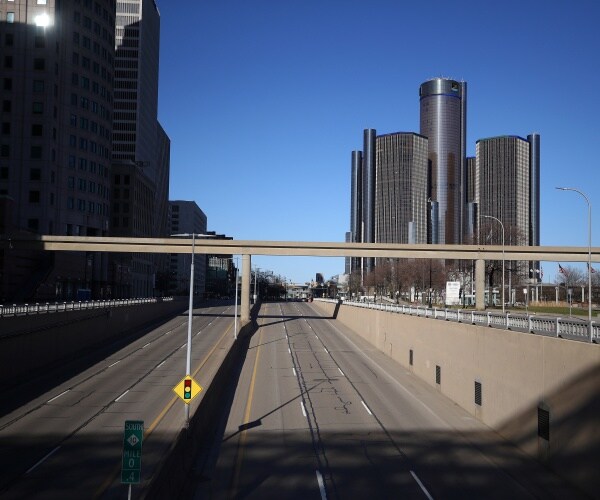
(480, 284)
(245, 305)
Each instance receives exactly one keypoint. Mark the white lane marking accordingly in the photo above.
(45, 458)
(303, 408)
(392, 379)
(122, 395)
(183, 346)
(56, 397)
(366, 408)
(289, 351)
(293, 369)
(326, 350)
(421, 485)
(162, 363)
(321, 485)
(144, 347)
(341, 372)
(114, 363)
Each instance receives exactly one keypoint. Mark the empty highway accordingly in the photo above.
(318, 413)
(67, 442)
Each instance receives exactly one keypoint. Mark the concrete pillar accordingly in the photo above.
(480, 284)
(245, 305)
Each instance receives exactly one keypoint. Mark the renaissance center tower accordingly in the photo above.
(443, 105)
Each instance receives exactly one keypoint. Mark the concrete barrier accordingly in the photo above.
(31, 344)
(541, 393)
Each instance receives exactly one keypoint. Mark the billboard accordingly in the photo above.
(452, 293)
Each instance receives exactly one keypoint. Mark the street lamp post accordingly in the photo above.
(589, 253)
(502, 225)
(188, 357)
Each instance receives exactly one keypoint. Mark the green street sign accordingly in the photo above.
(133, 436)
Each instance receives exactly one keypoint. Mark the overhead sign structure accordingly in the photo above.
(133, 436)
(187, 389)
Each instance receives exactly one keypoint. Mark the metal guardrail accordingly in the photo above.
(56, 307)
(574, 329)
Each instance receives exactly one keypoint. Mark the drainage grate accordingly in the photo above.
(478, 393)
(544, 424)
(438, 374)
(410, 357)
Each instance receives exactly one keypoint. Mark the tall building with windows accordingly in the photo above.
(401, 188)
(507, 177)
(356, 222)
(186, 217)
(443, 117)
(368, 193)
(140, 145)
(56, 72)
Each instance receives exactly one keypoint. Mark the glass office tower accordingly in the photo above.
(443, 105)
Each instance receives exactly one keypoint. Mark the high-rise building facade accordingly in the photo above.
(368, 193)
(356, 222)
(507, 187)
(443, 117)
(186, 217)
(401, 188)
(55, 138)
(140, 145)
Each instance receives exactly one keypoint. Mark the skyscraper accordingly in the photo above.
(368, 193)
(401, 188)
(443, 116)
(356, 221)
(507, 186)
(140, 145)
(55, 143)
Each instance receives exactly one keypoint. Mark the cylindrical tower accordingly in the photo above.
(443, 122)
(356, 204)
(368, 193)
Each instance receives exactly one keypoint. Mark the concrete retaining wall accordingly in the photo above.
(518, 373)
(31, 344)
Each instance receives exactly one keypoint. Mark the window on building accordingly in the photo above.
(38, 108)
(7, 84)
(33, 224)
(34, 196)
(6, 106)
(39, 41)
(71, 182)
(70, 202)
(36, 152)
(39, 64)
(9, 40)
(3, 172)
(8, 62)
(38, 85)
(35, 174)
(10, 17)
(4, 150)
(37, 130)
(5, 128)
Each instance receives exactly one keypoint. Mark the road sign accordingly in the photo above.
(187, 389)
(133, 436)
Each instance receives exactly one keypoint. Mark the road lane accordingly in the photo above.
(69, 439)
(320, 413)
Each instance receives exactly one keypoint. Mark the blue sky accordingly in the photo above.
(264, 101)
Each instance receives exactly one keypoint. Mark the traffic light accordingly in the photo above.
(187, 388)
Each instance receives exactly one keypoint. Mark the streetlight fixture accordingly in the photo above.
(188, 358)
(502, 225)
(589, 253)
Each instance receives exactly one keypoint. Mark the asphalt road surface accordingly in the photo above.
(67, 442)
(319, 413)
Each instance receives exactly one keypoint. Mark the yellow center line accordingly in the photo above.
(242, 438)
(148, 431)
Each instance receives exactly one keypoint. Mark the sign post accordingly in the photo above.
(131, 466)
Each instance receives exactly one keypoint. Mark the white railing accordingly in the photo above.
(570, 328)
(55, 307)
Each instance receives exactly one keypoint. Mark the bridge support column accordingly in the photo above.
(245, 304)
(480, 284)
